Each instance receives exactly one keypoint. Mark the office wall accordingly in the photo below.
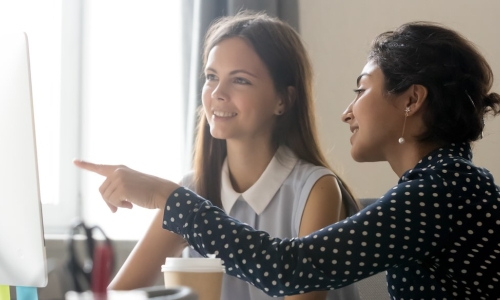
(338, 34)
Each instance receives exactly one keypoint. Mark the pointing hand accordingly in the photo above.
(124, 187)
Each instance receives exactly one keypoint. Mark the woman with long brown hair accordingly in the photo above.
(257, 155)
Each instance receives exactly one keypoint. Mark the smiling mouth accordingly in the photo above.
(354, 131)
(223, 114)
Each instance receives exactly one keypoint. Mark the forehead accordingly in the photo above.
(370, 67)
(235, 53)
(372, 72)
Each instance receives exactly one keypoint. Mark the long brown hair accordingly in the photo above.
(280, 48)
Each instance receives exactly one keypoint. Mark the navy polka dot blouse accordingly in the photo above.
(436, 233)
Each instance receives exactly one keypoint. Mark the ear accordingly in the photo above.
(285, 101)
(416, 98)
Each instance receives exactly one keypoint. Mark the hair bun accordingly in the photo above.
(492, 103)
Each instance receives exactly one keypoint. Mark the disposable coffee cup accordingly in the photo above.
(202, 275)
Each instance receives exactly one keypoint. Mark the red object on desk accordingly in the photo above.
(102, 268)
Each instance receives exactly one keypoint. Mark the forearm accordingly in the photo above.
(143, 266)
(132, 276)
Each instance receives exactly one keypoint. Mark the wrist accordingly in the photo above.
(161, 198)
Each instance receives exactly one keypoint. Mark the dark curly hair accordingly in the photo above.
(456, 75)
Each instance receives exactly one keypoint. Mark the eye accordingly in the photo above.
(241, 80)
(359, 91)
(210, 77)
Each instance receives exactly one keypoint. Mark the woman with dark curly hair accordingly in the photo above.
(420, 103)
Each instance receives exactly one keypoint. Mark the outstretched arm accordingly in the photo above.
(404, 225)
(380, 237)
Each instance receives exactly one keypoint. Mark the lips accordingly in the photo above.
(223, 114)
(354, 130)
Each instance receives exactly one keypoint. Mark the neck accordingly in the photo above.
(408, 155)
(247, 161)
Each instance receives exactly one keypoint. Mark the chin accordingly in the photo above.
(356, 155)
(218, 134)
(363, 156)
(219, 137)
(357, 158)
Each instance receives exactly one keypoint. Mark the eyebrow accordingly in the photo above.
(359, 78)
(234, 72)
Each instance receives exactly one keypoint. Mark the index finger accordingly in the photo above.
(104, 170)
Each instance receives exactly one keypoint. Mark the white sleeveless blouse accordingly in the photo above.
(275, 204)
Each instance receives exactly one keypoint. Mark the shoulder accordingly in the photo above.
(445, 187)
(452, 175)
(450, 166)
(300, 173)
(325, 187)
(304, 170)
(307, 177)
(322, 206)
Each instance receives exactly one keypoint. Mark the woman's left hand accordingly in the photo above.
(124, 186)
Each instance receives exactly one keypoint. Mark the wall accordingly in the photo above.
(338, 34)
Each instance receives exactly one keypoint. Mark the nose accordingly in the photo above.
(220, 92)
(347, 115)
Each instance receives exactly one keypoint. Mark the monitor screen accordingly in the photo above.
(22, 243)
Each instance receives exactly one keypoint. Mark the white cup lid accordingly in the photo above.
(194, 264)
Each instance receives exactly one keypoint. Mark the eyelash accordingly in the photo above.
(241, 80)
(358, 91)
(238, 80)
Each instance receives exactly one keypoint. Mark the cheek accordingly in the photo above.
(206, 91)
(259, 111)
(359, 112)
(366, 113)
(206, 96)
(265, 103)
(206, 101)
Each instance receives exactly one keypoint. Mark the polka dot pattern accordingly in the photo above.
(436, 234)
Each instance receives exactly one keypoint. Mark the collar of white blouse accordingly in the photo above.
(260, 194)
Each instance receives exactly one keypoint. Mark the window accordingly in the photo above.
(107, 88)
(41, 20)
(131, 100)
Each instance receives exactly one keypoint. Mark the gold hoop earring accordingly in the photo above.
(402, 139)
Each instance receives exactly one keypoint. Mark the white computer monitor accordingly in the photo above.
(22, 243)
